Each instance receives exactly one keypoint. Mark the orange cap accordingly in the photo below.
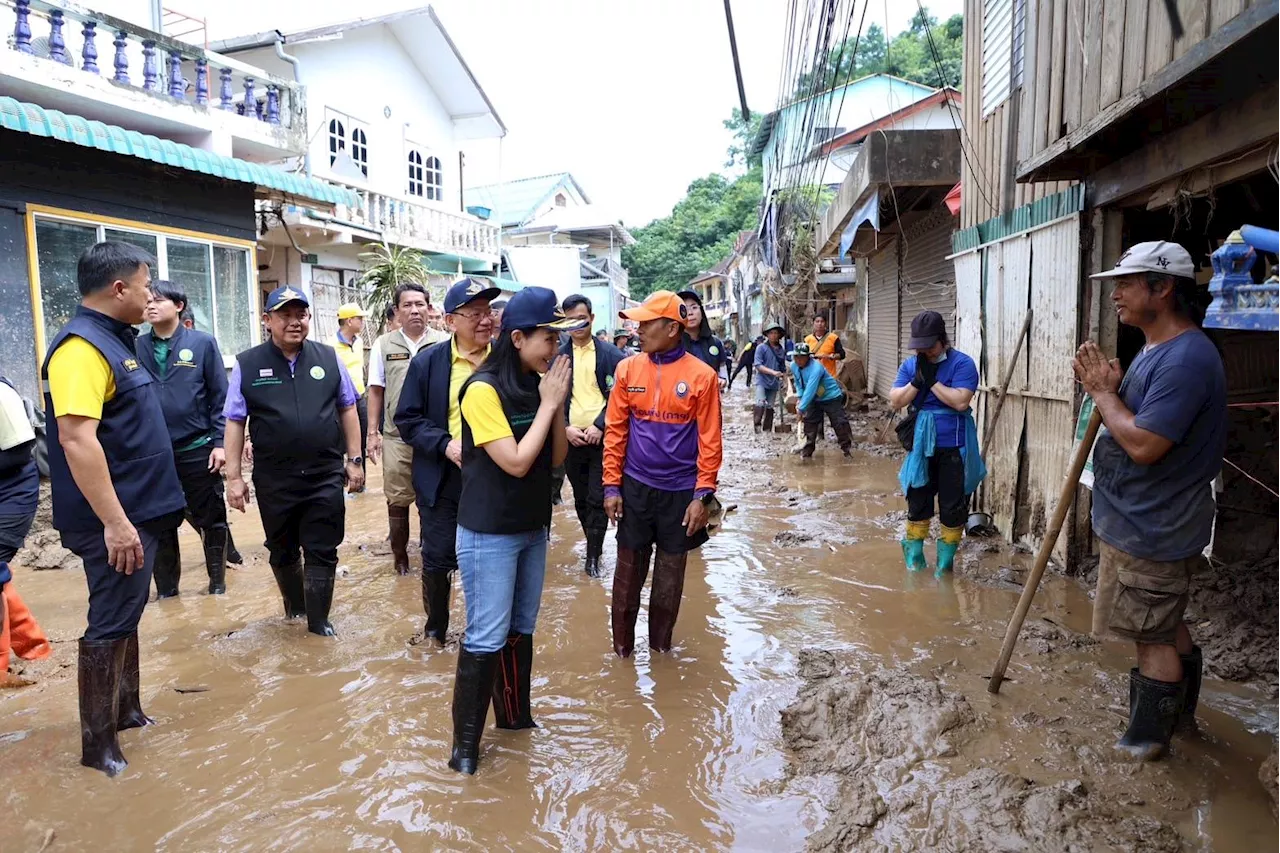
(661, 304)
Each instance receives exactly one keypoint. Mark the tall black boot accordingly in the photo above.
(129, 714)
(436, 587)
(289, 581)
(511, 684)
(99, 675)
(595, 550)
(233, 553)
(1192, 672)
(768, 420)
(757, 416)
(1154, 707)
(215, 558)
(317, 585)
(471, 687)
(168, 565)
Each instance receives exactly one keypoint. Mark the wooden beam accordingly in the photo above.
(1232, 128)
(1173, 73)
(1113, 49)
(1203, 180)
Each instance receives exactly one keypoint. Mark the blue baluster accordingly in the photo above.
(177, 85)
(22, 27)
(57, 44)
(273, 105)
(250, 106)
(202, 82)
(150, 69)
(122, 58)
(225, 92)
(89, 53)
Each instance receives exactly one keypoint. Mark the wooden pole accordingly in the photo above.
(1004, 386)
(1046, 548)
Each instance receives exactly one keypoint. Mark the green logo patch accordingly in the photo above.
(317, 372)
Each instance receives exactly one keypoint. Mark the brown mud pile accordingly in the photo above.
(896, 741)
(1233, 616)
(1267, 775)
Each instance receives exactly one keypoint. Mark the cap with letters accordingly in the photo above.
(1158, 256)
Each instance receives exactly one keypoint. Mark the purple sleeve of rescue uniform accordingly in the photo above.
(235, 409)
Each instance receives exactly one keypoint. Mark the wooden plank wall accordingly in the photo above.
(1081, 57)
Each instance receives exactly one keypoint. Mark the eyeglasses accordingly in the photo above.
(473, 316)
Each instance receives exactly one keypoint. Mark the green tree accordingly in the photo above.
(744, 132)
(386, 267)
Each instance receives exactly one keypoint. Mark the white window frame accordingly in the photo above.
(337, 138)
(417, 186)
(347, 141)
(433, 190)
(162, 265)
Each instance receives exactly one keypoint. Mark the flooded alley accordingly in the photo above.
(817, 695)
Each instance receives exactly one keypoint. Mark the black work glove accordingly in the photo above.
(926, 374)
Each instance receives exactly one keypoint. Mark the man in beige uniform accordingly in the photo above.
(388, 364)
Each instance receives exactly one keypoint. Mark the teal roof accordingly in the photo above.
(38, 121)
(516, 201)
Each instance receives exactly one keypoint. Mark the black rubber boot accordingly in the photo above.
(233, 553)
(436, 587)
(768, 420)
(1192, 672)
(471, 688)
(595, 550)
(129, 714)
(99, 675)
(1153, 712)
(398, 522)
(317, 585)
(215, 558)
(168, 565)
(511, 684)
(289, 581)
(757, 417)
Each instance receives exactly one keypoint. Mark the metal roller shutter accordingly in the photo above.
(882, 321)
(928, 278)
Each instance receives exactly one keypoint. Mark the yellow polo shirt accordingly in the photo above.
(80, 380)
(484, 413)
(587, 402)
(460, 371)
(352, 355)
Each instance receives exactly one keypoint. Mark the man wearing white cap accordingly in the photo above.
(350, 351)
(1165, 427)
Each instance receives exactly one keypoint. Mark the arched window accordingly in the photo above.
(415, 174)
(434, 179)
(360, 150)
(337, 139)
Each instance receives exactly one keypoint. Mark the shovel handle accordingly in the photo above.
(1065, 499)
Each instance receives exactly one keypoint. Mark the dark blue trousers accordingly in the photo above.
(116, 600)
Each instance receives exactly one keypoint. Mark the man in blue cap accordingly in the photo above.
(115, 487)
(300, 404)
(429, 418)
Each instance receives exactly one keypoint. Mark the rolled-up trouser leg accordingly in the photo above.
(664, 598)
(628, 584)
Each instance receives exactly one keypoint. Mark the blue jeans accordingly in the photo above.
(502, 581)
(766, 397)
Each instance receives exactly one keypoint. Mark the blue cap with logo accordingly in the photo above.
(538, 308)
(468, 290)
(282, 296)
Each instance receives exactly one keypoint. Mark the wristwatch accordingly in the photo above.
(708, 498)
(355, 460)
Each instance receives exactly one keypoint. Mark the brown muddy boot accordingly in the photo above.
(628, 583)
(99, 673)
(757, 416)
(289, 582)
(436, 587)
(398, 520)
(664, 598)
(129, 714)
(511, 679)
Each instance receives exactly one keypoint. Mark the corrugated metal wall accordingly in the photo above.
(928, 278)
(882, 320)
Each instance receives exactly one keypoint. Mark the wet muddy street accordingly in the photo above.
(270, 738)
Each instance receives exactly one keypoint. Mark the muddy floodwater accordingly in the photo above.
(270, 739)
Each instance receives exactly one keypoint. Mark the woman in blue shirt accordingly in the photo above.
(938, 381)
(819, 394)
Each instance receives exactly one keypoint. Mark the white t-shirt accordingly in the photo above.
(378, 371)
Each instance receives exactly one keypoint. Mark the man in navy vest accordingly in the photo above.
(187, 372)
(300, 404)
(115, 487)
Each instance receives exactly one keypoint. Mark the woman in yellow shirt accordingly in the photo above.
(513, 434)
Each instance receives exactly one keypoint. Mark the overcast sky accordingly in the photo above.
(628, 95)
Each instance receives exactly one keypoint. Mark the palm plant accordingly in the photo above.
(386, 267)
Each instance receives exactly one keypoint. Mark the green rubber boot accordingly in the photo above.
(913, 555)
(946, 557)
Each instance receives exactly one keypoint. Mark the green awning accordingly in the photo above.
(38, 121)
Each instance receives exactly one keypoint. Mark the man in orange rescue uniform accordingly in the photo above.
(661, 459)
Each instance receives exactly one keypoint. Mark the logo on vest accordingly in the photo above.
(714, 350)
(266, 371)
(130, 364)
(608, 381)
(185, 354)
(682, 389)
(317, 372)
